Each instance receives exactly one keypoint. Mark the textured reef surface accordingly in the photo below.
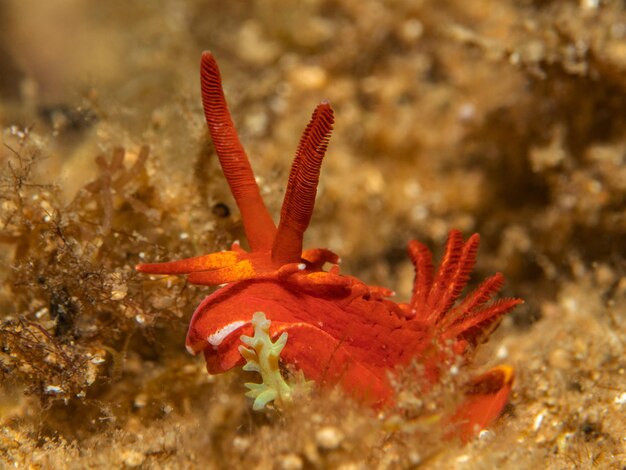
(501, 118)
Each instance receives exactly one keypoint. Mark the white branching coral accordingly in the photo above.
(262, 356)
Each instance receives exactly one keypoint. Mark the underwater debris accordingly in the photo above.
(74, 303)
(262, 356)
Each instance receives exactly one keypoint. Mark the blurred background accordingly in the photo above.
(505, 118)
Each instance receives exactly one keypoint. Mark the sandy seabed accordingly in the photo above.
(506, 118)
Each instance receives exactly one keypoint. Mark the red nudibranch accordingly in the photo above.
(341, 331)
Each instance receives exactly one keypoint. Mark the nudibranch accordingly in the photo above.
(341, 331)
